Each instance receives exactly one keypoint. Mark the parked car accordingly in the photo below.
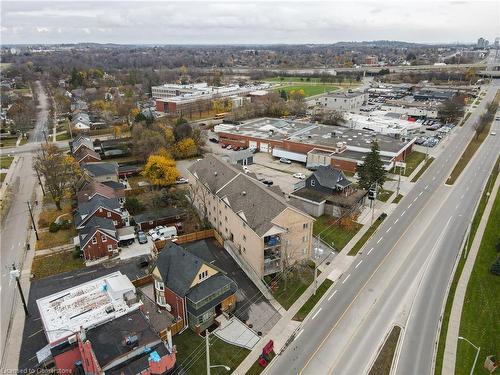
(267, 182)
(300, 176)
(224, 145)
(493, 133)
(285, 161)
(141, 237)
(245, 169)
(181, 180)
(126, 242)
(229, 147)
(214, 140)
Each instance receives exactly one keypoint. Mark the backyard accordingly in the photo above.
(332, 233)
(54, 264)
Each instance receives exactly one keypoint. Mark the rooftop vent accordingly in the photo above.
(243, 193)
(215, 173)
(131, 340)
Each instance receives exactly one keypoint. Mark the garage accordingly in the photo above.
(264, 147)
(252, 144)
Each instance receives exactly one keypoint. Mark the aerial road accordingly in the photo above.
(401, 275)
(14, 230)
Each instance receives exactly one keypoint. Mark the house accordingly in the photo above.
(79, 142)
(92, 189)
(98, 206)
(191, 289)
(162, 216)
(327, 191)
(258, 226)
(101, 171)
(81, 121)
(98, 238)
(85, 155)
(98, 327)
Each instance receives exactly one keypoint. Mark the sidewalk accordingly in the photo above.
(17, 320)
(450, 350)
(286, 326)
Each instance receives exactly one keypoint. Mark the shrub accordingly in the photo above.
(77, 252)
(65, 224)
(54, 227)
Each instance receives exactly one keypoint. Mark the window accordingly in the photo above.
(244, 249)
(203, 275)
(104, 238)
(115, 222)
(160, 299)
(110, 247)
(159, 285)
(94, 240)
(313, 182)
(305, 225)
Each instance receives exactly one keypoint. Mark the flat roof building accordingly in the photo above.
(343, 101)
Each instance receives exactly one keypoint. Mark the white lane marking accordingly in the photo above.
(426, 186)
(411, 204)
(369, 251)
(19, 243)
(346, 278)
(67, 277)
(387, 231)
(433, 178)
(402, 213)
(33, 334)
(415, 199)
(357, 265)
(420, 193)
(300, 333)
(462, 196)
(396, 221)
(317, 312)
(380, 239)
(331, 295)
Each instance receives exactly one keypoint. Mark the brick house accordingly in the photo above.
(98, 239)
(98, 206)
(190, 288)
(85, 155)
(93, 189)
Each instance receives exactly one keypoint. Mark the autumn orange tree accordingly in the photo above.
(160, 170)
(185, 148)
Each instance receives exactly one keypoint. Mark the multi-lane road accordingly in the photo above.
(401, 277)
(14, 231)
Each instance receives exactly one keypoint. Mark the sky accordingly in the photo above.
(247, 22)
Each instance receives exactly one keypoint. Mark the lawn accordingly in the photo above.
(383, 195)
(383, 363)
(313, 300)
(54, 264)
(48, 215)
(6, 161)
(335, 236)
(397, 199)
(423, 169)
(310, 89)
(449, 301)
(256, 369)
(63, 136)
(48, 240)
(288, 291)
(412, 162)
(365, 237)
(480, 321)
(8, 142)
(23, 141)
(2, 177)
(191, 353)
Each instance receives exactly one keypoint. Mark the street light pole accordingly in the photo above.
(15, 273)
(207, 345)
(33, 220)
(478, 349)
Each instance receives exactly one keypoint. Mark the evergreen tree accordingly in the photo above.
(372, 170)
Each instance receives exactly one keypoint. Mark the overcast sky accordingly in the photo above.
(233, 22)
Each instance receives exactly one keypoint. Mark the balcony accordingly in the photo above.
(272, 241)
(272, 261)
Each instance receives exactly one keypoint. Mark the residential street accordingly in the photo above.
(401, 277)
(14, 231)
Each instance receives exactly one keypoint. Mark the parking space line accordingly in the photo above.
(420, 193)
(395, 222)
(357, 265)
(402, 213)
(346, 278)
(331, 295)
(426, 186)
(317, 312)
(415, 199)
(411, 204)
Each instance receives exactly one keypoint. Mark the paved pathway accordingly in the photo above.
(452, 333)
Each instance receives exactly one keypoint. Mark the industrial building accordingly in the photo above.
(314, 144)
(344, 101)
(381, 122)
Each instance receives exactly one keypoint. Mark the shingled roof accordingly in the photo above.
(331, 178)
(100, 168)
(213, 172)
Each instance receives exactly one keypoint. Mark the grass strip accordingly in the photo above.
(383, 363)
(398, 198)
(412, 162)
(365, 237)
(423, 169)
(313, 300)
(257, 369)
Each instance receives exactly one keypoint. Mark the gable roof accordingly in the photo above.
(100, 168)
(80, 141)
(331, 177)
(213, 172)
(89, 207)
(96, 223)
(178, 268)
(83, 152)
(96, 188)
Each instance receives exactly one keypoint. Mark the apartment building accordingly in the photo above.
(256, 223)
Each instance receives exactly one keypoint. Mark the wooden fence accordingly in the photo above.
(195, 236)
(143, 281)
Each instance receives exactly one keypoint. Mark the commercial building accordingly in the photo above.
(257, 225)
(188, 99)
(344, 101)
(380, 122)
(482, 43)
(371, 60)
(314, 144)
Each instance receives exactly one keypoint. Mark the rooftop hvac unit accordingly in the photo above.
(72, 339)
(340, 144)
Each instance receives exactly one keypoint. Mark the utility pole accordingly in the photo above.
(399, 181)
(207, 346)
(45, 136)
(40, 181)
(15, 273)
(32, 220)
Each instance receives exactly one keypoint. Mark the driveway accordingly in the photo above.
(136, 249)
(252, 307)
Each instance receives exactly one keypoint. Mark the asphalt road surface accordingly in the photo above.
(14, 231)
(401, 276)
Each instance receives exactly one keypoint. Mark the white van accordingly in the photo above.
(167, 232)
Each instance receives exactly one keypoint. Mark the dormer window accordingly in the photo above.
(203, 275)
(313, 182)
